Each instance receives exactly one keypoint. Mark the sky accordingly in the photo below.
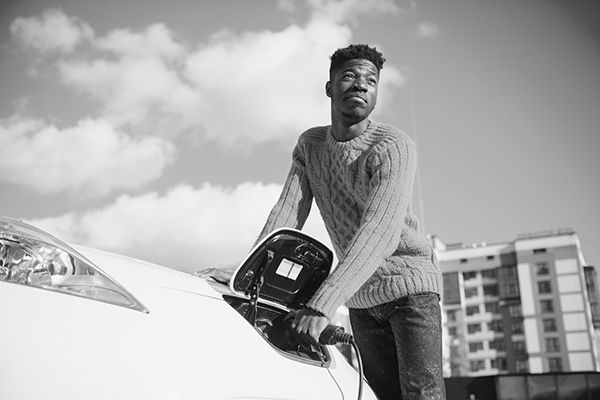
(164, 130)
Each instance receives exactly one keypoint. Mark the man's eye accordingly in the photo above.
(347, 76)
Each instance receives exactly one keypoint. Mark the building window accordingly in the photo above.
(473, 328)
(549, 325)
(469, 275)
(452, 330)
(544, 287)
(539, 251)
(497, 344)
(547, 306)
(489, 273)
(477, 365)
(475, 346)
(552, 345)
(509, 282)
(471, 292)
(590, 277)
(542, 268)
(489, 258)
(451, 315)
(521, 366)
(464, 260)
(472, 310)
(490, 290)
(514, 310)
(519, 347)
(499, 363)
(555, 364)
(492, 307)
(495, 326)
(516, 326)
(451, 288)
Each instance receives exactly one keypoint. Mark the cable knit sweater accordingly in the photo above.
(363, 188)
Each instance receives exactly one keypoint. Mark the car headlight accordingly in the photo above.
(32, 257)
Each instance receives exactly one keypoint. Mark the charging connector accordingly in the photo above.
(334, 334)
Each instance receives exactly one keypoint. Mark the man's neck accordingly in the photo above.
(342, 132)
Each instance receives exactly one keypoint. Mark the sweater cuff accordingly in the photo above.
(326, 303)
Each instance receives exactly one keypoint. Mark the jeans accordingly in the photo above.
(401, 347)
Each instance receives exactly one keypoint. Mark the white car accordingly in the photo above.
(79, 323)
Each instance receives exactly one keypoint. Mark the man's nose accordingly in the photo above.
(360, 84)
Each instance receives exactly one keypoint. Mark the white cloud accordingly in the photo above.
(343, 11)
(286, 5)
(155, 40)
(53, 31)
(141, 92)
(91, 157)
(238, 89)
(187, 228)
(427, 30)
(265, 86)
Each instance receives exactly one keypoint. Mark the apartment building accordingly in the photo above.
(526, 306)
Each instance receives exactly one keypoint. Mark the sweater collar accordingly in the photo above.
(361, 142)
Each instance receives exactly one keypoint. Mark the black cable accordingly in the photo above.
(334, 334)
(360, 368)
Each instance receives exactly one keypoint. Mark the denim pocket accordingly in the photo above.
(424, 299)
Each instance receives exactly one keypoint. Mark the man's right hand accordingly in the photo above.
(310, 322)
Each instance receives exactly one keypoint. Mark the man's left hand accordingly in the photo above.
(309, 322)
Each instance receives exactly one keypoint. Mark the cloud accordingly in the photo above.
(427, 30)
(186, 228)
(342, 11)
(52, 32)
(156, 40)
(141, 92)
(263, 86)
(92, 158)
(238, 89)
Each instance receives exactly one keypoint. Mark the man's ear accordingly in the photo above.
(328, 89)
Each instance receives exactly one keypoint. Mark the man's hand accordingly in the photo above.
(220, 275)
(310, 322)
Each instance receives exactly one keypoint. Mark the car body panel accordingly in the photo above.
(190, 345)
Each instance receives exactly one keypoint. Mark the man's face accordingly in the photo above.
(353, 90)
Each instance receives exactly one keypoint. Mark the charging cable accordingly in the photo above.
(334, 334)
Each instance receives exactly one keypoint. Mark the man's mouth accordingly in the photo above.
(355, 96)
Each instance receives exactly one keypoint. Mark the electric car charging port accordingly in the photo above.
(272, 324)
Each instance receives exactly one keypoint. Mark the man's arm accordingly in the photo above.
(291, 210)
(293, 206)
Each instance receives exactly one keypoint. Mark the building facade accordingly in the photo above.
(526, 306)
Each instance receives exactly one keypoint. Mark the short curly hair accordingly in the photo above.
(356, 51)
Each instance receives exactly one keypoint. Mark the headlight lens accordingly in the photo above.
(31, 257)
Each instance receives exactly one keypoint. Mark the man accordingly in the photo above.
(361, 175)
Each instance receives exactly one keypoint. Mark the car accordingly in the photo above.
(82, 323)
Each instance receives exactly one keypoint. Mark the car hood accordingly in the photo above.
(132, 272)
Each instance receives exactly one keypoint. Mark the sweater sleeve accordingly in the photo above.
(293, 206)
(381, 225)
